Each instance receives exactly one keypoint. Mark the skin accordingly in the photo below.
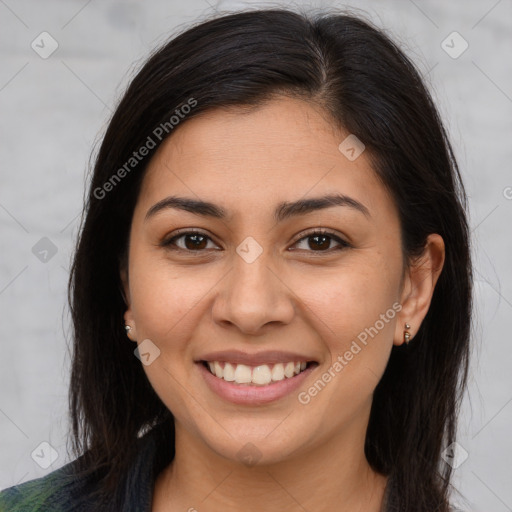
(312, 300)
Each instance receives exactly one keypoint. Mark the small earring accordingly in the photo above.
(407, 334)
(128, 328)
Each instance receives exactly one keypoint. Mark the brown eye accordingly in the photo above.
(188, 241)
(320, 241)
(194, 242)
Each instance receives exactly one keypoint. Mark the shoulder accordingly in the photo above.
(64, 490)
(59, 491)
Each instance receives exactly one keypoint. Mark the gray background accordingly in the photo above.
(53, 111)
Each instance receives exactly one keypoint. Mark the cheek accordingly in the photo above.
(164, 296)
(352, 297)
(167, 307)
(354, 310)
(354, 315)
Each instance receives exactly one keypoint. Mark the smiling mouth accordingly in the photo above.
(261, 375)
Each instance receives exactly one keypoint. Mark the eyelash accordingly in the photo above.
(169, 243)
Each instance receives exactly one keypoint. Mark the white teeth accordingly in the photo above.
(229, 372)
(261, 375)
(242, 374)
(278, 372)
(218, 370)
(289, 370)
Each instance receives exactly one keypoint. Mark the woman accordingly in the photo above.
(277, 219)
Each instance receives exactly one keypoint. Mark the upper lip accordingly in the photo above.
(258, 358)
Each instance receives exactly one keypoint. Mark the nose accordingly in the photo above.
(253, 296)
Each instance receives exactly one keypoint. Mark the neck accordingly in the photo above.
(329, 476)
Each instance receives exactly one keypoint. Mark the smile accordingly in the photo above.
(254, 380)
(261, 375)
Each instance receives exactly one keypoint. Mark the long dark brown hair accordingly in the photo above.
(366, 85)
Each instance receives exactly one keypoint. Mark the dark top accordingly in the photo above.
(61, 491)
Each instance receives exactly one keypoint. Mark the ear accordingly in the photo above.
(128, 314)
(418, 288)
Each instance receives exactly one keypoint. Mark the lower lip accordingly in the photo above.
(251, 394)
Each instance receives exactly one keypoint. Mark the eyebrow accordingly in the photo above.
(283, 211)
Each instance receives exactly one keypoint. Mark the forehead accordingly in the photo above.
(284, 149)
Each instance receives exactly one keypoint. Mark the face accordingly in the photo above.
(252, 285)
